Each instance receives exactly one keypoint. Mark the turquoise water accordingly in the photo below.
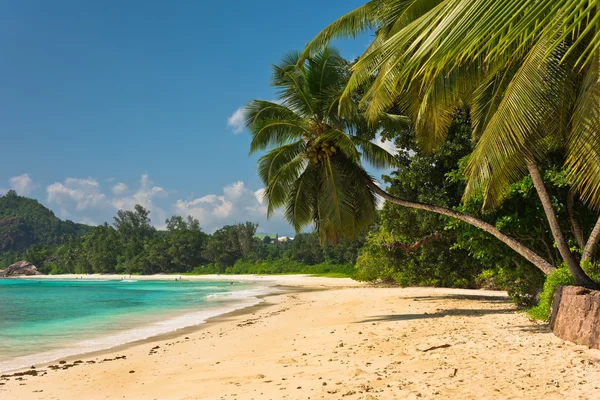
(44, 320)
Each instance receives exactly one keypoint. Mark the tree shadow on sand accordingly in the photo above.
(475, 297)
(462, 312)
(466, 312)
(534, 328)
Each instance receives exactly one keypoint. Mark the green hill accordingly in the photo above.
(25, 222)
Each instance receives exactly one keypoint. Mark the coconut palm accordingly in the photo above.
(528, 68)
(313, 167)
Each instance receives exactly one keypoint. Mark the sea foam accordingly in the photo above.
(224, 303)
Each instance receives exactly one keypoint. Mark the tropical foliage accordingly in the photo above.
(133, 245)
(313, 166)
(528, 70)
(25, 222)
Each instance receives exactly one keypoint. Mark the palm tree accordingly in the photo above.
(314, 164)
(529, 69)
(313, 167)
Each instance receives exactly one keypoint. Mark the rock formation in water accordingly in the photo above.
(20, 268)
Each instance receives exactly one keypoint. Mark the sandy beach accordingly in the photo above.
(345, 341)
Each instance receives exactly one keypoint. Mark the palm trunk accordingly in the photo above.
(578, 273)
(590, 246)
(524, 251)
(574, 224)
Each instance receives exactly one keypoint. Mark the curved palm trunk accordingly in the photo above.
(590, 246)
(524, 251)
(577, 231)
(578, 273)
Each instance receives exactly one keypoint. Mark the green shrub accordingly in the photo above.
(560, 277)
(330, 270)
(54, 268)
(373, 262)
(209, 269)
(277, 267)
(522, 282)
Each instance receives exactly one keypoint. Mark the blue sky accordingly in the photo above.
(104, 104)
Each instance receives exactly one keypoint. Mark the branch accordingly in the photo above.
(574, 224)
(410, 248)
(523, 250)
(590, 246)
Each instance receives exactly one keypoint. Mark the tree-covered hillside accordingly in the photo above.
(29, 231)
(25, 222)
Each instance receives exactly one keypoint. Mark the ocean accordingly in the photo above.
(44, 320)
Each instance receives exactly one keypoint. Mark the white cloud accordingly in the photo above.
(22, 184)
(83, 193)
(224, 209)
(235, 191)
(260, 195)
(86, 201)
(236, 121)
(386, 145)
(144, 196)
(119, 189)
(76, 196)
(236, 204)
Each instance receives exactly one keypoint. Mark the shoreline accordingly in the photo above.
(359, 343)
(239, 309)
(171, 335)
(272, 283)
(300, 280)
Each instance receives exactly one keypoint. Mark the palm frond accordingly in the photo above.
(350, 25)
(301, 200)
(281, 181)
(514, 129)
(274, 160)
(583, 140)
(375, 155)
(272, 124)
(290, 81)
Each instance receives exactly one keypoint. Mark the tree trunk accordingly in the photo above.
(574, 224)
(524, 251)
(590, 246)
(409, 248)
(578, 273)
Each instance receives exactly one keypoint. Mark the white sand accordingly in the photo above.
(350, 343)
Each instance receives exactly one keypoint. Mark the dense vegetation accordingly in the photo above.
(453, 229)
(132, 245)
(449, 252)
(525, 75)
(25, 222)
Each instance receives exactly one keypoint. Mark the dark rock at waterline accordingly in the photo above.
(19, 269)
